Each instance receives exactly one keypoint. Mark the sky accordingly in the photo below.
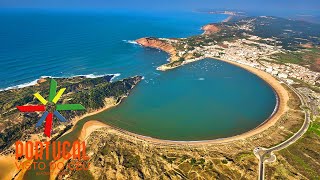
(276, 6)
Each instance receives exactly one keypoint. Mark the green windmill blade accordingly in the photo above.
(53, 89)
(65, 107)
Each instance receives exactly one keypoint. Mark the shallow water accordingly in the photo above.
(203, 100)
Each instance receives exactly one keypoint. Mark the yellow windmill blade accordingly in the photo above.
(40, 98)
(58, 95)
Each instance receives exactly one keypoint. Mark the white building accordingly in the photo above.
(269, 70)
(283, 75)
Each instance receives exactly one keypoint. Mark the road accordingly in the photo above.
(266, 154)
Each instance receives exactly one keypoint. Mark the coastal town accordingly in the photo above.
(250, 50)
(117, 153)
(259, 56)
(267, 45)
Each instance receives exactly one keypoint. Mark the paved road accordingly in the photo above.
(266, 154)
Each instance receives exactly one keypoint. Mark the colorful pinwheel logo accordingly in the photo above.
(50, 107)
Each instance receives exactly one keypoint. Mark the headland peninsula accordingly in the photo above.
(265, 46)
(258, 45)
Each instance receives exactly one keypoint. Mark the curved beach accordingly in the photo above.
(281, 107)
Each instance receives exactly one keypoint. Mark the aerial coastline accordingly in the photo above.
(254, 46)
(280, 91)
(281, 108)
(7, 157)
(256, 54)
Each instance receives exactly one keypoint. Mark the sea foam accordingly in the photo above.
(34, 82)
(130, 42)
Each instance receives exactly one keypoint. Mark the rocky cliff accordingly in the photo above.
(159, 44)
(210, 28)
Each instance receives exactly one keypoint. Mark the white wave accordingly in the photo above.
(91, 76)
(201, 79)
(114, 76)
(130, 42)
(34, 82)
(31, 83)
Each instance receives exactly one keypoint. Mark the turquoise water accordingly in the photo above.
(204, 100)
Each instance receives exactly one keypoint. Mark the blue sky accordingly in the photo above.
(297, 6)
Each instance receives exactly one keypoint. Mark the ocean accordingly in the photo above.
(36, 43)
(203, 100)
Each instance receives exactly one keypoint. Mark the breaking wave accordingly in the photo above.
(34, 82)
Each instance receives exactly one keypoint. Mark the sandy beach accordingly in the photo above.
(283, 98)
(281, 92)
(7, 166)
(7, 163)
(87, 129)
(228, 19)
(110, 103)
(94, 125)
(90, 127)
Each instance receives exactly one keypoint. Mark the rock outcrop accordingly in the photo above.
(159, 44)
(210, 28)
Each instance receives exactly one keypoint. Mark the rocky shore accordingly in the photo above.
(159, 44)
